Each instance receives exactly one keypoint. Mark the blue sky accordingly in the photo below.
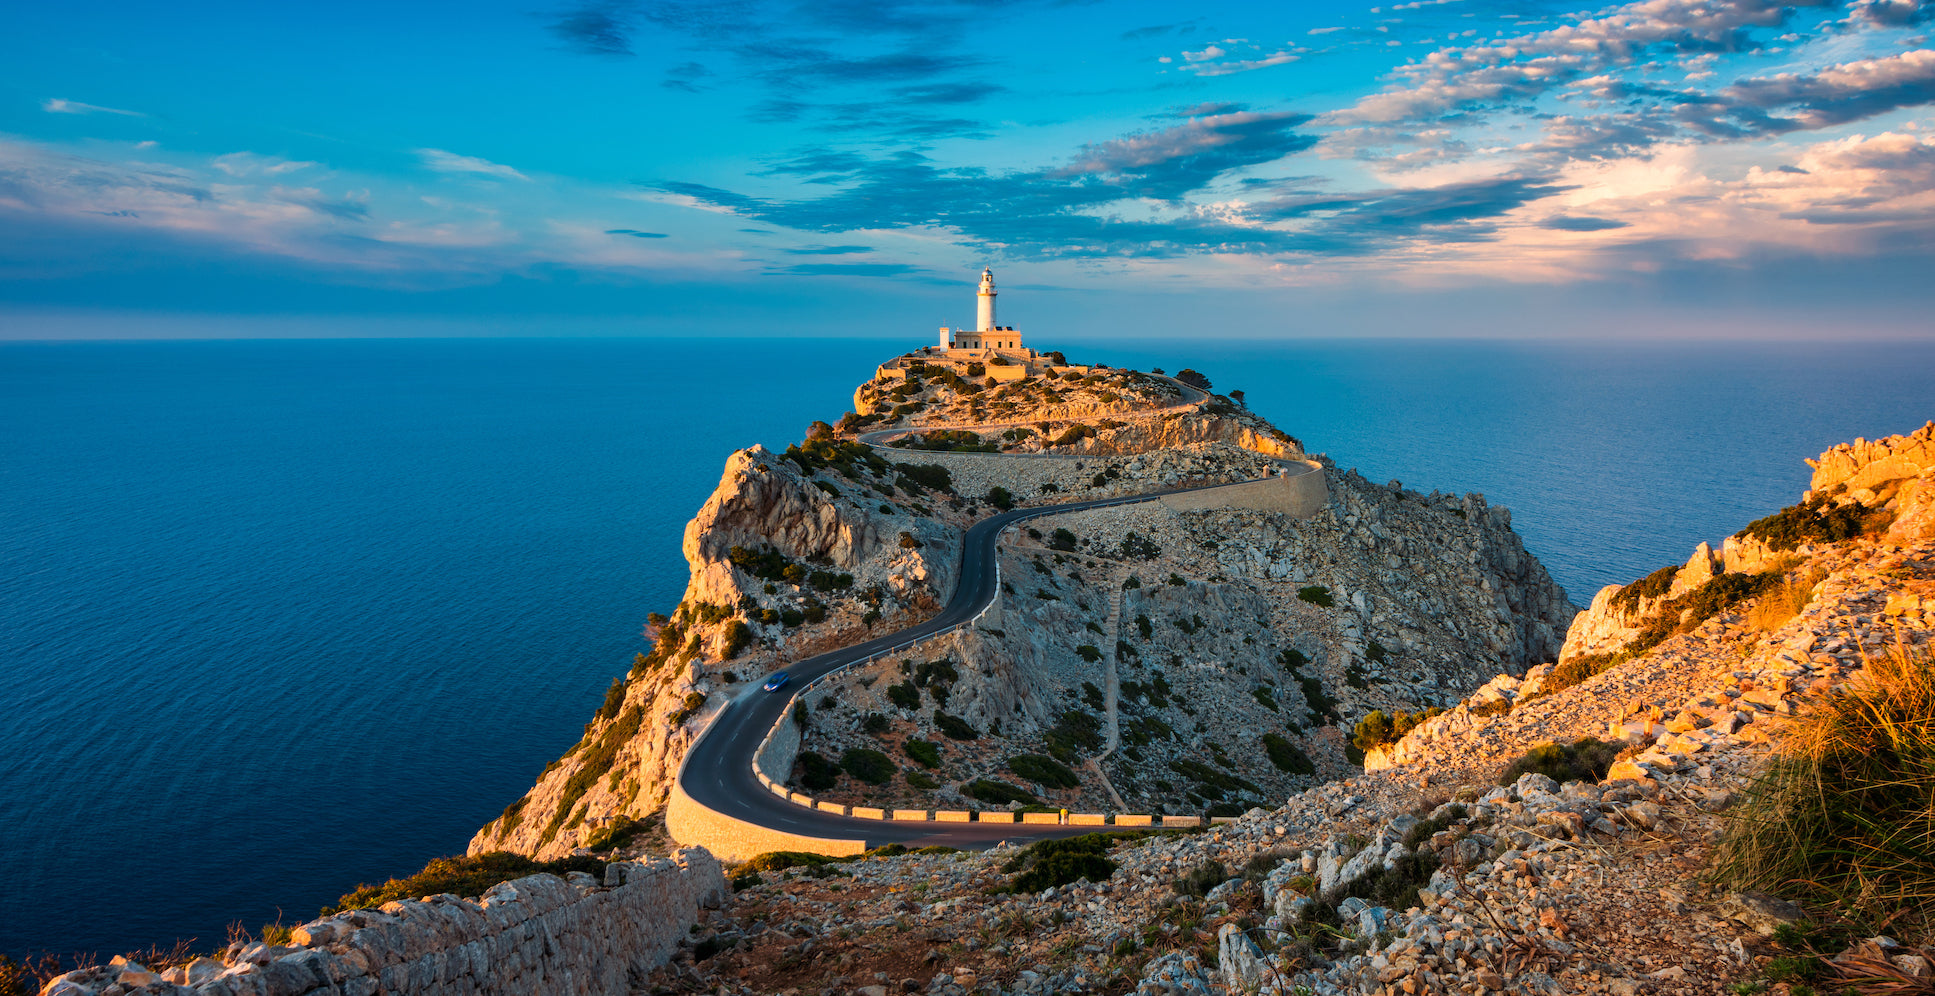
(1731, 168)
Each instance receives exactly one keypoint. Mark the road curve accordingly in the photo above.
(718, 770)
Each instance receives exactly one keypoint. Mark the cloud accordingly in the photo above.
(1563, 223)
(450, 162)
(1158, 30)
(1527, 66)
(1839, 94)
(851, 269)
(594, 29)
(57, 105)
(1168, 163)
(1892, 13)
(242, 164)
(828, 250)
(635, 233)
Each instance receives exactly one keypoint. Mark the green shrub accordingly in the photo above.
(1265, 699)
(870, 766)
(1075, 733)
(1139, 547)
(954, 727)
(1818, 520)
(1089, 653)
(998, 793)
(1316, 594)
(614, 699)
(1287, 756)
(1043, 771)
(1001, 498)
(1841, 816)
(1654, 585)
(905, 695)
(773, 861)
(1054, 863)
(874, 724)
(1061, 539)
(1377, 729)
(921, 781)
(738, 636)
(1672, 617)
(926, 753)
(765, 564)
(1587, 759)
(1061, 863)
(467, 875)
(619, 832)
(1396, 887)
(1198, 880)
(924, 476)
(816, 772)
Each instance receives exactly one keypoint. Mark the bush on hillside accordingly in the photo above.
(1054, 863)
(1043, 771)
(1818, 520)
(868, 765)
(1286, 756)
(1316, 594)
(465, 875)
(998, 793)
(925, 753)
(1841, 817)
(816, 772)
(1587, 759)
(954, 727)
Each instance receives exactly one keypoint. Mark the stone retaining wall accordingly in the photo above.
(690, 822)
(535, 936)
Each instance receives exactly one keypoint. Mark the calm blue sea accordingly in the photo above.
(278, 617)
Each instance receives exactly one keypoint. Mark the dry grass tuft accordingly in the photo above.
(1783, 602)
(1844, 816)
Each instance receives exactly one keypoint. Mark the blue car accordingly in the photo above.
(777, 681)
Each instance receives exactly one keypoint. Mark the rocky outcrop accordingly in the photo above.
(1894, 478)
(765, 501)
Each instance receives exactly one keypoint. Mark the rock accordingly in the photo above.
(870, 991)
(1241, 960)
(1761, 913)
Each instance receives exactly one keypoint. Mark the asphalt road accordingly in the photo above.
(718, 771)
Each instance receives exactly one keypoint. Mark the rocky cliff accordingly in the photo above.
(1881, 487)
(1187, 659)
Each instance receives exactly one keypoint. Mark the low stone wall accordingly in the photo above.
(534, 936)
(1299, 496)
(691, 822)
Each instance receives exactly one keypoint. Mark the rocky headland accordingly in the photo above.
(1182, 661)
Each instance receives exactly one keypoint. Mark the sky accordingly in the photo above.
(1508, 168)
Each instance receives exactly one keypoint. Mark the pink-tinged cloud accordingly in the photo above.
(450, 162)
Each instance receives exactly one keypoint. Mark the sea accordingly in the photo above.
(280, 617)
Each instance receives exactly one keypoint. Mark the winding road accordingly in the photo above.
(718, 771)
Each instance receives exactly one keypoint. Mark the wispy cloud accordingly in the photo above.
(450, 162)
(58, 105)
(635, 233)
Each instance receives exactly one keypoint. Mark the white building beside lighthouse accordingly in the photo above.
(986, 335)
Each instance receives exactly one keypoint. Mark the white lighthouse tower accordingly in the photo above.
(984, 317)
(986, 337)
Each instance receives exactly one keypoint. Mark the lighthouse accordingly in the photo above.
(986, 336)
(984, 316)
